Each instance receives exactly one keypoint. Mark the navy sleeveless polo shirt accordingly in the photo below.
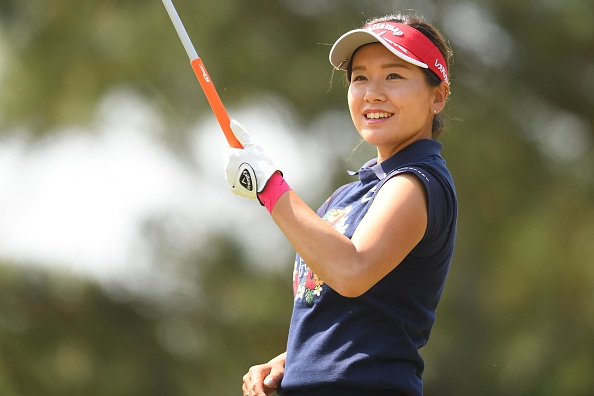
(370, 344)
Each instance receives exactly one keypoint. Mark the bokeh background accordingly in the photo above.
(126, 266)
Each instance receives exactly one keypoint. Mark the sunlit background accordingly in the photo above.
(128, 268)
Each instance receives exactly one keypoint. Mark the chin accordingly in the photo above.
(377, 139)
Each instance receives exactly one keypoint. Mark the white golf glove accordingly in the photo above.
(247, 170)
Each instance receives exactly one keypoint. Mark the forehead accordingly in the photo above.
(376, 53)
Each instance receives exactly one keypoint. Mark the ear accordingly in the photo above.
(441, 93)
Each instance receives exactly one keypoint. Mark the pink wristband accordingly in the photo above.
(275, 187)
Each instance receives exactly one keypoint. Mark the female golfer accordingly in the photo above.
(372, 263)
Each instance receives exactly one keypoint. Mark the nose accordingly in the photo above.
(375, 93)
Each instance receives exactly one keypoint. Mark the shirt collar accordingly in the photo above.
(411, 153)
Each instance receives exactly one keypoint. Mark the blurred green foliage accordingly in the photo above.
(517, 316)
(60, 335)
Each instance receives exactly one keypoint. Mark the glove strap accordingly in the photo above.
(275, 187)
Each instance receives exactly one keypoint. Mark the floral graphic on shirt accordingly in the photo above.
(338, 218)
(306, 284)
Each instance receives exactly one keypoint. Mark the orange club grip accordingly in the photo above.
(215, 102)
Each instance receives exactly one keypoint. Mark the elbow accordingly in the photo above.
(350, 291)
(350, 286)
(355, 278)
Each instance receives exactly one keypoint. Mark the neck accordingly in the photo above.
(383, 153)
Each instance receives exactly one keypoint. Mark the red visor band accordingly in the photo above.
(402, 40)
(409, 42)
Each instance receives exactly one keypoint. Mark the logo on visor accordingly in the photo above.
(393, 44)
(386, 26)
(401, 48)
(442, 69)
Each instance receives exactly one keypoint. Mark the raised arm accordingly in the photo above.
(394, 224)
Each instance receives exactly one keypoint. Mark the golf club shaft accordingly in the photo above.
(205, 81)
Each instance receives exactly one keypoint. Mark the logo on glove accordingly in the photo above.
(246, 180)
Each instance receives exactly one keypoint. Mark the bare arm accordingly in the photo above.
(393, 226)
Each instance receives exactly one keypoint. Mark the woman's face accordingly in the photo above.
(389, 99)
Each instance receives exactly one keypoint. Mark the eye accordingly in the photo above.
(359, 78)
(393, 76)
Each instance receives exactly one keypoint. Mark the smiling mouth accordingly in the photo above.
(376, 116)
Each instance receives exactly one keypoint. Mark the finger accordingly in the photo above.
(256, 389)
(246, 388)
(241, 134)
(255, 382)
(250, 389)
(273, 380)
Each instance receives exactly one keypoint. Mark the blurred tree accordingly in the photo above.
(63, 336)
